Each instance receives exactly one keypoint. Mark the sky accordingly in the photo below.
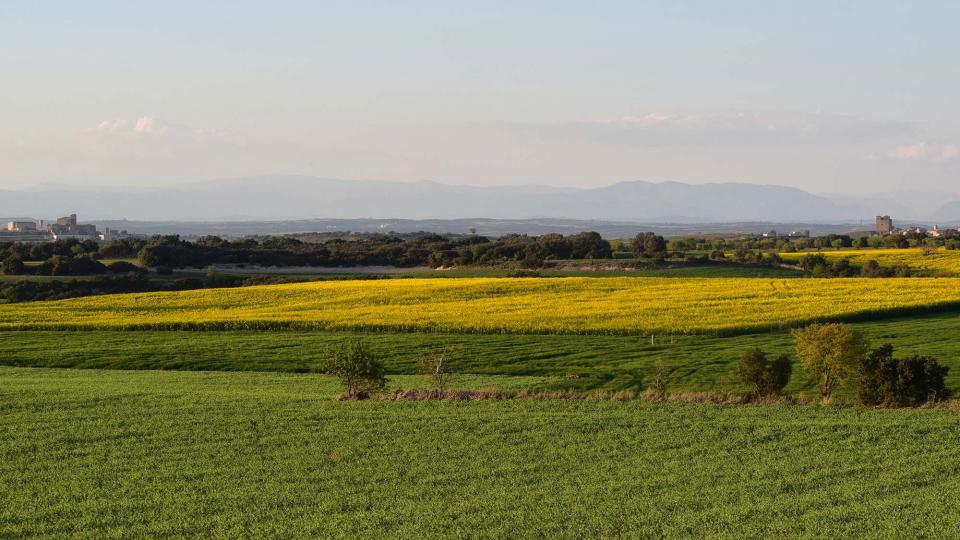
(831, 97)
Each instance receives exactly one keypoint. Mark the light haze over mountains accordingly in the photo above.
(303, 197)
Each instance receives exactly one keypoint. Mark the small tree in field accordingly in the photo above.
(830, 352)
(360, 372)
(439, 368)
(763, 376)
(659, 380)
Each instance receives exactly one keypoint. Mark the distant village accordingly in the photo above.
(68, 228)
(65, 228)
(883, 226)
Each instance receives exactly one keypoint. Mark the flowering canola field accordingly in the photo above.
(499, 305)
(940, 261)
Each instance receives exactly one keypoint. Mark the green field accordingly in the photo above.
(578, 362)
(102, 454)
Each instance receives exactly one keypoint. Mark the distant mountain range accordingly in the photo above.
(300, 197)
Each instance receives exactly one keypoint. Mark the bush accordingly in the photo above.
(360, 372)
(810, 262)
(73, 266)
(659, 381)
(905, 382)
(12, 266)
(762, 376)
(123, 267)
(164, 270)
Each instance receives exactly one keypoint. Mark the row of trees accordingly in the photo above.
(419, 250)
(948, 238)
(60, 265)
(833, 354)
(819, 266)
(836, 353)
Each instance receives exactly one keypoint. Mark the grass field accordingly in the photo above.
(588, 362)
(938, 262)
(629, 306)
(104, 454)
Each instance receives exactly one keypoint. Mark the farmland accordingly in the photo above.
(198, 412)
(253, 455)
(938, 262)
(614, 306)
(583, 362)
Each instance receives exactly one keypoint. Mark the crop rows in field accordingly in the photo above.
(936, 262)
(102, 454)
(500, 305)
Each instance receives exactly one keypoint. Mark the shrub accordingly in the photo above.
(123, 267)
(360, 372)
(762, 376)
(812, 261)
(73, 266)
(912, 381)
(163, 270)
(12, 266)
(659, 380)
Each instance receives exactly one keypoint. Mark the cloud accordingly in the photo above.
(722, 128)
(925, 152)
(145, 125)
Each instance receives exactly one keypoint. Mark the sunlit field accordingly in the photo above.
(492, 305)
(103, 454)
(935, 262)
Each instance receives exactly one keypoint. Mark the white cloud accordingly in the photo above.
(145, 125)
(926, 152)
(111, 126)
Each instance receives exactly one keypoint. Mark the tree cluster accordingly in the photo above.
(819, 266)
(834, 353)
(30, 290)
(904, 382)
(424, 249)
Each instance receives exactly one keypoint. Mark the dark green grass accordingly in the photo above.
(102, 454)
(577, 362)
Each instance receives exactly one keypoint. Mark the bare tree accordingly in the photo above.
(439, 367)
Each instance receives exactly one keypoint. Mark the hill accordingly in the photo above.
(302, 197)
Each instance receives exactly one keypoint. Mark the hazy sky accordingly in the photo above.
(826, 96)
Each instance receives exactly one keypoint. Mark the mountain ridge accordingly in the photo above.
(269, 197)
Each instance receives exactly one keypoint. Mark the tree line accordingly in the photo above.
(832, 355)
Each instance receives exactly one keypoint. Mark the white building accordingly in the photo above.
(21, 226)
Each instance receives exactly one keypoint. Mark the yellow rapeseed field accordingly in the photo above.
(519, 305)
(940, 261)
